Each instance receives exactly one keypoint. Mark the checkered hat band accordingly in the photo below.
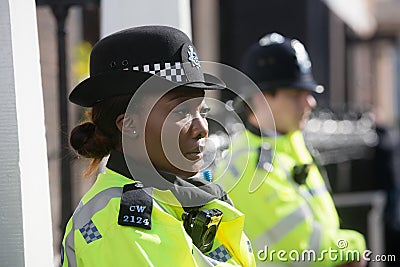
(170, 71)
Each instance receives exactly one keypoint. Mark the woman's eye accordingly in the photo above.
(204, 112)
(182, 112)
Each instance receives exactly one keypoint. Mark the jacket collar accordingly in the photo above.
(190, 192)
(256, 131)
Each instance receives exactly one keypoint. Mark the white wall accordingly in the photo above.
(120, 14)
(25, 224)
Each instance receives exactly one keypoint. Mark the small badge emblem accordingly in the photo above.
(193, 58)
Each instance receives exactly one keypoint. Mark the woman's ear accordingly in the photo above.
(119, 121)
(126, 125)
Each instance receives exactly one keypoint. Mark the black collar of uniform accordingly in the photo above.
(191, 192)
(116, 162)
(253, 129)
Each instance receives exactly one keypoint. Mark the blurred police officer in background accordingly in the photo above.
(290, 209)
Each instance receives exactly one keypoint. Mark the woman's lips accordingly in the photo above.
(196, 151)
(197, 155)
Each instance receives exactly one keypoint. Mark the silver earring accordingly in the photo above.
(134, 132)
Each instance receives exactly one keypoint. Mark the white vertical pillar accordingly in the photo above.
(25, 222)
(120, 14)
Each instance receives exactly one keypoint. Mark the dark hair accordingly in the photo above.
(96, 138)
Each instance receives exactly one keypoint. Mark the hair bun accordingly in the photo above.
(80, 134)
(88, 142)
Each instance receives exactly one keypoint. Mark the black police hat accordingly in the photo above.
(120, 63)
(278, 62)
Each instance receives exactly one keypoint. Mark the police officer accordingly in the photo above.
(273, 177)
(146, 94)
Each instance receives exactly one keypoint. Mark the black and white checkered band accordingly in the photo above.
(170, 71)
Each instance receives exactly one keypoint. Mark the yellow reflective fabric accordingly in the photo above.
(280, 214)
(166, 244)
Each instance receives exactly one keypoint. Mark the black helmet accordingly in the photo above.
(275, 62)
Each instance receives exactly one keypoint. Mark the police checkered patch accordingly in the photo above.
(90, 232)
(172, 72)
(220, 254)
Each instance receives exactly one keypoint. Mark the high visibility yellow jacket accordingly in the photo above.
(281, 214)
(93, 236)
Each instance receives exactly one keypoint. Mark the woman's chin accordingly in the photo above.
(191, 170)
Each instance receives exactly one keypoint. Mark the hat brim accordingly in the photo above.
(312, 86)
(100, 87)
(309, 85)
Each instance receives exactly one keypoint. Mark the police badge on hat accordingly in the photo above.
(193, 58)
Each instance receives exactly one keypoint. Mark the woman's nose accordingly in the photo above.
(199, 127)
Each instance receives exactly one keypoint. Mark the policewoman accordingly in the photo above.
(146, 92)
(272, 169)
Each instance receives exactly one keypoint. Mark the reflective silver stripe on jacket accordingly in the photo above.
(83, 214)
(286, 225)
(321, 190)
(283, 227)
(316, 237)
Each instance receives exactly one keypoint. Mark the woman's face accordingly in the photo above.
(175, 131)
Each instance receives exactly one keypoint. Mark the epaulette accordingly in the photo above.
(265, 157)
(136, 206)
